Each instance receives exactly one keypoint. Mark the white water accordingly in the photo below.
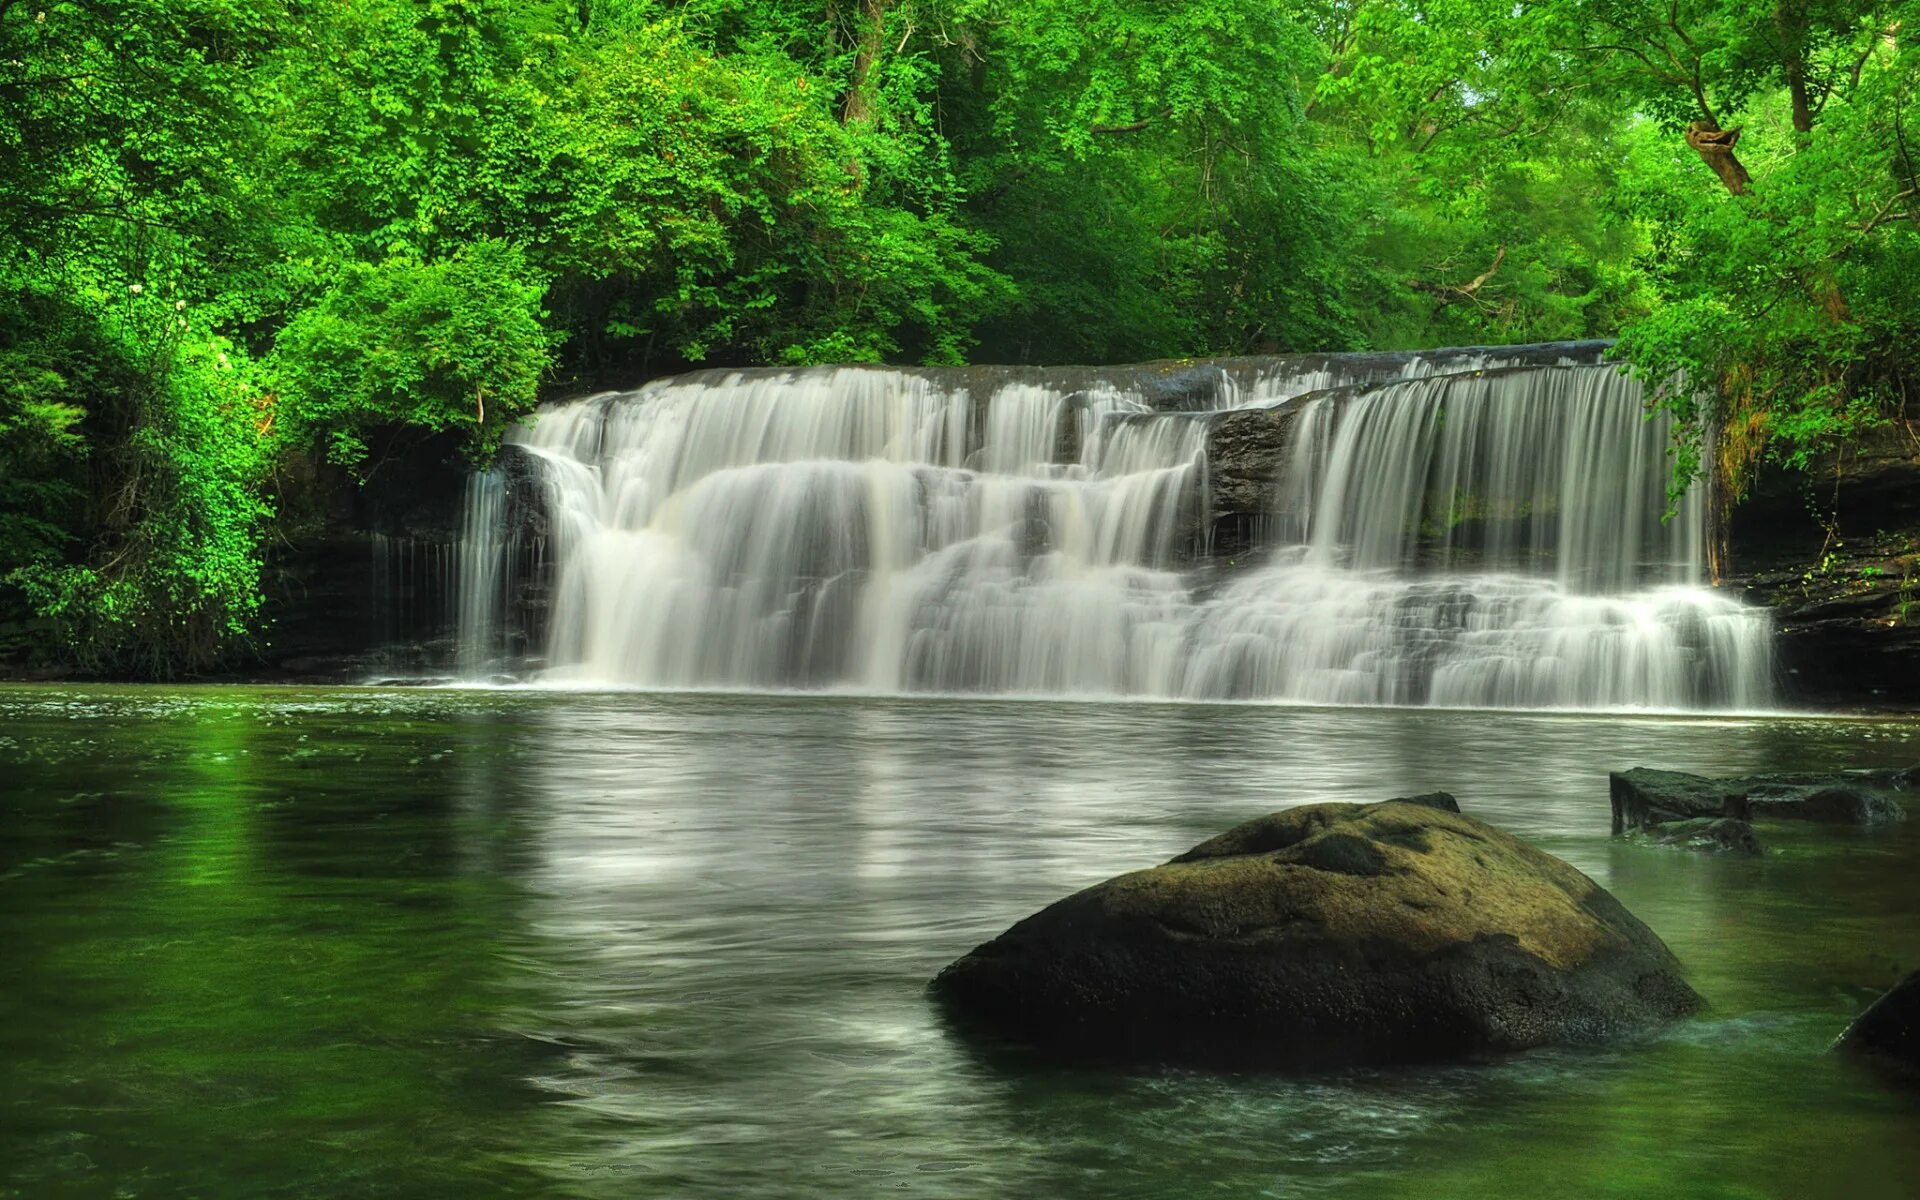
(483, 552)
(1449, 536)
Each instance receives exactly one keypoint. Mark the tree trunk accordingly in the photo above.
(1715, 147)
(858, 108)
(1790, 26)
(1797, 88)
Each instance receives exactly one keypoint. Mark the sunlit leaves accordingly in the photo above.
(455, 343)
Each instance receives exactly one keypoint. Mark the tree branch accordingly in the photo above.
(1887, 210)
(1451, 294)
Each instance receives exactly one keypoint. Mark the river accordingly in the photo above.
(412, 942)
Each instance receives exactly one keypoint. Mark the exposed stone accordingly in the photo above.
(1844, 804)
(1443, 801)
(1835, 551)
(1889, 1031)
(1644, 799)
(1726, 834)
(366, 588)
(1324, 935)
(1245, 450)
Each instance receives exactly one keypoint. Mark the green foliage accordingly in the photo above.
(242, 232)
(134, 499)
(171, 581)
(41, 440)
(1755, 181)
(1154, 184)
(1792, 306)
(452, 344)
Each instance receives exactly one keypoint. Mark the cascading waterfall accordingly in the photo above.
(1488, 538)
(483, 568)
(1461, 528)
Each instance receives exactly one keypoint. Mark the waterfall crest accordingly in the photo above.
(1474, 528)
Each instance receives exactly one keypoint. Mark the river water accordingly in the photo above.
(275, 942)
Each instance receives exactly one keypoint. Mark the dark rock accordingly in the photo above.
(1644, 799)
(1326, 935)
(1835, 551)
(1839, 805)
(1889, 1031)
(365, 586)
(1707, 833)
(1245, 451)
(1443, 801)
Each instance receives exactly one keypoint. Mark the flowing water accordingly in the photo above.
(1458, 528)
(273, 942)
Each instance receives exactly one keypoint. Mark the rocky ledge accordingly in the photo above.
(1834, 551)
(1647, 800)
(1326, 935)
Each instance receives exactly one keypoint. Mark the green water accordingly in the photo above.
(272, 942)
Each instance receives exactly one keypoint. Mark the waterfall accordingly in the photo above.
(1552, 468)
(1473, 528)
(483, 568)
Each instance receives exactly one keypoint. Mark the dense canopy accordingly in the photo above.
(242, 234)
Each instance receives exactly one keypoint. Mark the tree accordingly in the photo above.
(1776, 271)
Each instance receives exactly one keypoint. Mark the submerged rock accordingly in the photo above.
(1725, 834)
(1645, 799)
(1326, 935)
(1889, 1031)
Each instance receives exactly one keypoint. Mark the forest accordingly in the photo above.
(241, 236)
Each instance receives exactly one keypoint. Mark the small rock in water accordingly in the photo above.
(1646, 799)
(1889, 1031)
(1327, 935)
(1702, 833)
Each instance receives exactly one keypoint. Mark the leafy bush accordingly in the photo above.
(457, 343)
(171, 579)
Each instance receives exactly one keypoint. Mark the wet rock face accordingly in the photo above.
(1326, 935)
(1246, 449)
(1835, 552)
(1888, 1033)
(369, 591)
(1647, 799)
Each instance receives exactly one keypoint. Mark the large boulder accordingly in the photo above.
(1326, 935)
(1645, 799)
(1889, 1031)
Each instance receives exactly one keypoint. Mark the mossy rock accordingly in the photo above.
(1327, 935)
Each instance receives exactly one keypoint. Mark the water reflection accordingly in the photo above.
(588, 945)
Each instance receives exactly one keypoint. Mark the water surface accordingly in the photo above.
(273, 942)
